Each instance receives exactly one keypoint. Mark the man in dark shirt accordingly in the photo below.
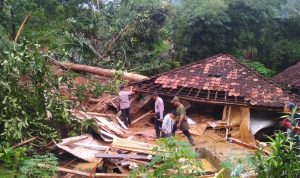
(181, 121)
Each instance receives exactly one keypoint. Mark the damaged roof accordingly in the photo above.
(290, 77)
(220, 79)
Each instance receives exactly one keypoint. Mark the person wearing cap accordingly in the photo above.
(181, 121)
(159, 113)
(125, 103)
(168, 124)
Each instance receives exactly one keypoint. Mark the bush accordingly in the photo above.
(173, 158)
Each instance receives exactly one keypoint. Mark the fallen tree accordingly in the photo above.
(100, 71)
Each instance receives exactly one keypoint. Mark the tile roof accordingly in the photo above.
(220, 78)
(290, 77)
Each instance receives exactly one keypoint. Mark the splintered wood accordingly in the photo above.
(135, 146)
(102, 103)
(84, 147)
(107, 129)
(245, 131)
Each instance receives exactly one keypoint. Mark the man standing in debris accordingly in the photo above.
(125, 104)
(168, 124)
(181, 122)
(159, 113)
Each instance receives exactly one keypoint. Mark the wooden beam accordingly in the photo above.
(190, 91)
(199, 100)
(216, 95)
(226, 126)
(142, 117)
(197, 93)
(179, 90)
(122, 156)
(208, 93)
(93, 172)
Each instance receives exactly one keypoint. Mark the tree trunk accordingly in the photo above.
(100, 71)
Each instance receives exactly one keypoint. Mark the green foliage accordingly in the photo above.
(88, 125)
(260, 68)
(81, 92)
(283, 162)
(21, 165)
(173, 159)
(238, 166)
(113, 85)
(33, 167)
(12, 158)
(98, 89)
(28, 91)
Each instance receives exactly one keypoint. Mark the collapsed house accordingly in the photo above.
(246, 98)
(234, 97)
(290, 78)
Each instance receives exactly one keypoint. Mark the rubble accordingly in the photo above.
(117, 147)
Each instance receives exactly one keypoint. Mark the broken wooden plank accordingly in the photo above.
(246, 145)
(226, 126)
(100, 114)
(61, 169)
(80, 152)
(93, 172)
(121, 123)
(73, 140)
(137, 161)
(142, 117)
(110, 126)
(91, 146)
(70, 162)
(122, 156)
(135, 146)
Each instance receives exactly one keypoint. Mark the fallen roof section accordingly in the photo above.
(220, 79)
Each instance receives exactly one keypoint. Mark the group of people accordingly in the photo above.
(164, 125)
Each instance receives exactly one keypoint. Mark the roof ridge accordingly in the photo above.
(182, 67)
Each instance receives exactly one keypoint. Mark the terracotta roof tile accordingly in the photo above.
(290, 77)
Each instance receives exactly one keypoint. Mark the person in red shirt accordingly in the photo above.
(292, 128)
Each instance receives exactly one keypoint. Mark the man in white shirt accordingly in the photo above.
(159, 113)
(168, 123)
(125, 104)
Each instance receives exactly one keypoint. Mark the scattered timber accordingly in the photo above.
(91, 146)
(73, 140)
(246, 145)
(135, 146)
